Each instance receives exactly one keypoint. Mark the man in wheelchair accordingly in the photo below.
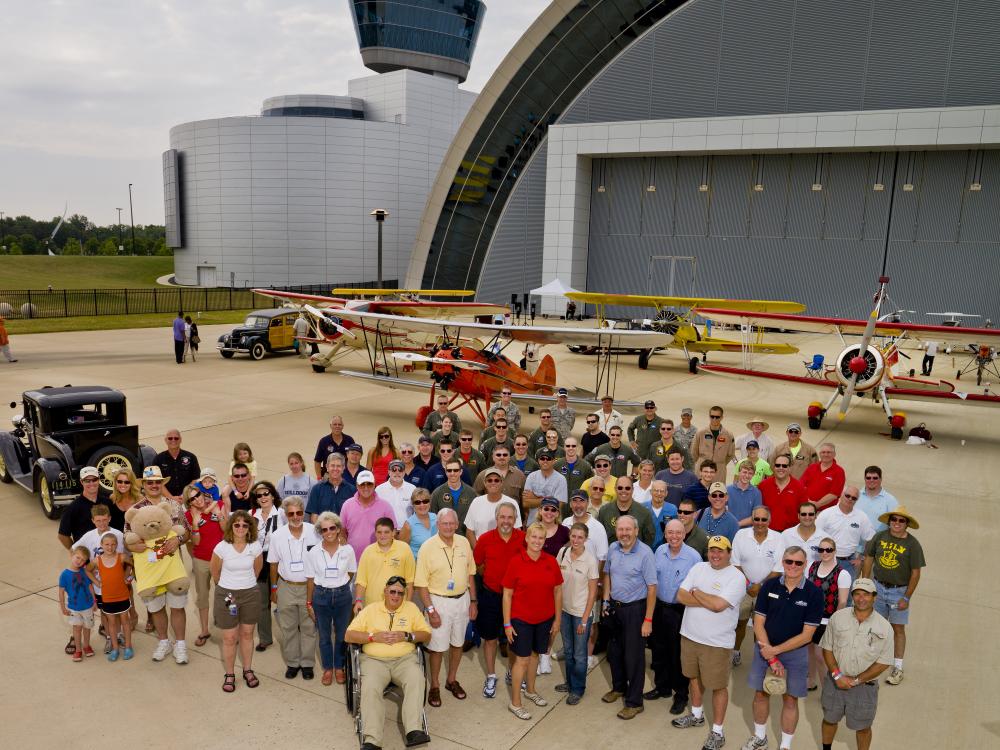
(388, 632)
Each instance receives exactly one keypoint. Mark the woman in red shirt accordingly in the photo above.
(532, 605)
(206, 516)
(379, 457)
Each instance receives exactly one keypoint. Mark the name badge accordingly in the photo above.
(296, 567)
(331, 571)
(772, 595)
(451, 585)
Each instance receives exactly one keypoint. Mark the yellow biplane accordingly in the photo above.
(674, 316)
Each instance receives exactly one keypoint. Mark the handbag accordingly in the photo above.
(196, 339)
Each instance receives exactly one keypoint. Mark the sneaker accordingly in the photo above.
(630, 712)
(755, 743)
(107, 645)
(535, 698)
(544, 664)
(895, 676)
(591, 662)
(128, 653)
(113, 655)
(562, 687)
(78, 656)
(714, 741)
(519, 711)
(737, 658)
(88, 651)
(490, 686)
(572, 699)
(162, 649)
(180, 652)
(688, 720)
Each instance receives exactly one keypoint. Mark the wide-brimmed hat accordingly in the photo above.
(153, 474)
(758, 419)
(911, 522)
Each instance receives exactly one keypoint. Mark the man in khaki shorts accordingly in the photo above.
(711, 594)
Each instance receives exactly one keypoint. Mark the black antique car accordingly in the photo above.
(61, 430)
(263, 331)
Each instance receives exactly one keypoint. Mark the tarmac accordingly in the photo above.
(949, 697)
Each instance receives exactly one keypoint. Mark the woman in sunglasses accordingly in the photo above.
(124, 494)
(236, 562)
(379, 457)
(330, 567)
(835, 582)
(207, 518)
(420, 526)
(266, 510)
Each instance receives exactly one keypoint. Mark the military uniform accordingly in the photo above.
(644, 432)
(800, 461)
(433, 422)
(619, 457)
(720, 448)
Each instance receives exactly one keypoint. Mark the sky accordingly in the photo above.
(89, 91)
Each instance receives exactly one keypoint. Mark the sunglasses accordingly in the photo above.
(241, 525)
(717, 494)
(898, 519)
(466, 440)
(505, 393)
(601, 465)
(597, 487)
(384, 437)
(873, 478)
(686, 512)
(123, 481)
(240, 476)
(264, 493)
(796, 563)
(453, 471)
(406, 452)
(172, 439)
(591, 421)
(294, 513)
(666, 429)
(329, 528)
(760, 520)
(806, 515)
(826, 549)
(623, 488)
(494, 480)
(792, 432)
(501, 455)
(545, 458)
(548, 509)
(394, 592)
(850, 497)
(781, 466)
(447, 450)
(88, 480)
(421, 502)
(715, 416)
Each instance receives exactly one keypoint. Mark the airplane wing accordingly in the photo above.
(602, 337)
(531, 399)
(822, 384)
(642, 300)
(969, 399)
(415, 308)
(709, 344)
(298, 299)
(851, 327)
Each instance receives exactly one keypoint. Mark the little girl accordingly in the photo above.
(243, 455)
(115, 574)
(76, 600)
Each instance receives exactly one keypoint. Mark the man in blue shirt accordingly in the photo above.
(336, 442)
(743, 496)
(673, 561)
(180, 335)
(332, 493)
(716, 520)
(788, 611)
(660, 510)
(874, 501)
(678, 478)
(435, 475)
(630, 581)
(699, 490)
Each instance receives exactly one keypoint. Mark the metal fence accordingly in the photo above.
(65, 303)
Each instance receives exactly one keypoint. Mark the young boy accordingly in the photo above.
(76, 600)
(762, 468)
(100, 515)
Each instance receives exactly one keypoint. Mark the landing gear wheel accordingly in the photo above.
(108, 460)
(257, 352)
(318, 368)
(693, 365)
(644, 358)
(958, 375)
(49, 507)
(421, 416)
(227, 355)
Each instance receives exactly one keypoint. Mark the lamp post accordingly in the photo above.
(131, 216)
(3, 235)
(121, 243)
(380, 215)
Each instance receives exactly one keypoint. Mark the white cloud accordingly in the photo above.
(91, 90)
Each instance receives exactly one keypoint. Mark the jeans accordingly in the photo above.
(332, 607)
(575, 651)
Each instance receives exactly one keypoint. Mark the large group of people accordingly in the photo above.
(543, 544)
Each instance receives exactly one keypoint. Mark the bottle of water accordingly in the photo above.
(231, 604)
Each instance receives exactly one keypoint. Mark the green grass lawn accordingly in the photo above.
(82, 272)
(108, 322)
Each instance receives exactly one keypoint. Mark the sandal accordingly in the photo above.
(455, 689)
(70, 646)
(202, 639)
(229, 684)
(149, 627)
(250, 678)
(519, 711)
(434, 697)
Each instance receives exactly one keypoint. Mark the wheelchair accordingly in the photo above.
(352, 688)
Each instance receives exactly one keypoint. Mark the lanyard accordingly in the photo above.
(392, 616)
(291, 555)
(451, 561)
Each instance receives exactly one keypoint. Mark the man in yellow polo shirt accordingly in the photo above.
(389, 631)
(384, 558)
(446, 584)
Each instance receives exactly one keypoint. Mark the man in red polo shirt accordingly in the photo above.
(824, 481)
(493, 552)
(783, 493)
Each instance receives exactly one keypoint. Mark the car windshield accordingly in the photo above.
(255, 321)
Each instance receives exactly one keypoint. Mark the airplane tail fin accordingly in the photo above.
(546, 372)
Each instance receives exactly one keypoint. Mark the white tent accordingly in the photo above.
(554, 288)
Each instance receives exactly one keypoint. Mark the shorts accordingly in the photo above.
(84, 617)
(531, 638)
(858, 704)
(115, 608)
(202, 574)
(247, 607)
(796, 664)
(171, 601)
(454, 614)
(489, 617)
(886, 602)
(746, 608)
(710, 665)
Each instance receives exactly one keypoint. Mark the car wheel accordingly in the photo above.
(227, 355)
(5, 476)
(108, 460)
(257, 351)
(49, 507)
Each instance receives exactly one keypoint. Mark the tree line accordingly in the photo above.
(23, 235)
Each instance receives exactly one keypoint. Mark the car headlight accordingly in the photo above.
(243, 340)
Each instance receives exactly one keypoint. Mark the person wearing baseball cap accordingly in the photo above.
(354, 465)
(894, 559)
(801, 452)
(857, 647)
(482, 514)
(397, 491)
(563, 415)
(757, 430)
(717, 520)
(359, 514)
(685, 431)
(545, 482)
(644, 430)
(75, 520)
